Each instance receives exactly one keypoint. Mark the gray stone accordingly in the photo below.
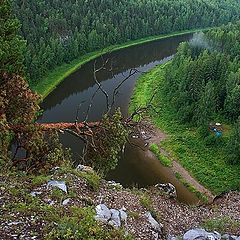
(112, 217)
(66, 201)
(195, 234)
(34, 194)
(210, 237)
(123, 215)
(59, 184)
(213, 236)
(155, 236)
(201, 234)
(217, 234)
(157, 227)
(229, 237)
(226, 237)
(115, 218)
(103, 213)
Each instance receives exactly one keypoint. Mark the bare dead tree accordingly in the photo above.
(85, 130)
(95, 71)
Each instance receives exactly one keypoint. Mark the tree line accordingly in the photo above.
(36, 148)
(203, 82)
(60, 31)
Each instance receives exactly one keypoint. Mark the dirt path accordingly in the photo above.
(156, 137)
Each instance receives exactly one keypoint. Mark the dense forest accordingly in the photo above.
(203, 82)
(60, 31)
(19, 110)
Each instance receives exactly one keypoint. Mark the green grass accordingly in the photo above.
(60, 222)
(222, 225)
(191, 188)
(147, 203)
(80, 224)
(163, 159)
(205, 161)
(47, 84)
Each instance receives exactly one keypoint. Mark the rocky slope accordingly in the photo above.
(31, 207)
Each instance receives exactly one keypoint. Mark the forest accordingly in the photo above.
(60, 31)
(203, 82)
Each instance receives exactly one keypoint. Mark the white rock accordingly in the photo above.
(59, 184)
(14, 223)
(34, 194)
(115, 218)
(103, 213)
(84, 168)
(66, 201)
(123, 215)
(155, 225)
(193, 234)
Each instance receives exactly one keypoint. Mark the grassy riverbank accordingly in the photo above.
(47, 84)
(205, 162)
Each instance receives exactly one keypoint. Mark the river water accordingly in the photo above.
(136, 167)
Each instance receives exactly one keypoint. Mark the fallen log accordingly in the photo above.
(55, 126)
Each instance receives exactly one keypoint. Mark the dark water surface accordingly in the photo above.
(136, 167)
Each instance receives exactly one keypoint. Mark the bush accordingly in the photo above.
(108, 141)
(80, 224)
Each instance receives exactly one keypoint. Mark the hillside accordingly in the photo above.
(61, 31)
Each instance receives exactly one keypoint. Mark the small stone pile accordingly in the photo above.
(112, 217)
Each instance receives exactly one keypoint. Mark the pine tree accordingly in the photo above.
(11, 44)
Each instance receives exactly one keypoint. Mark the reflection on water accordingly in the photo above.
(136, 167)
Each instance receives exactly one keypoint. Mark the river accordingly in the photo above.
(136, 168)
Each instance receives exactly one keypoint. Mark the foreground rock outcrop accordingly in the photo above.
(26, 204)
(202, 234)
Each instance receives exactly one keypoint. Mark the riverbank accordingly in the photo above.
(47, 84)
(205, 163)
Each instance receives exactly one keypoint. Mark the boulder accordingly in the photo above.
(103, 213)
(66, 201)
(167, 188)
(193, 234)
(59, 184)
(201, 234)
(115, 218)
(123, 215)
(112, 217)
(157, 227)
